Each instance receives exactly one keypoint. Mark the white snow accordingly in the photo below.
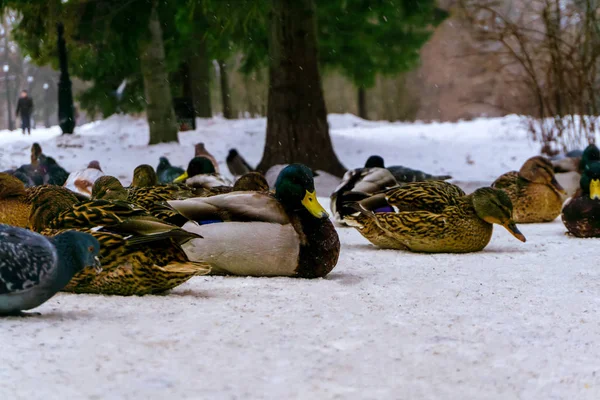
(517, 320)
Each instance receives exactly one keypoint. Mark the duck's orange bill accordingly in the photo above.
(512, 228)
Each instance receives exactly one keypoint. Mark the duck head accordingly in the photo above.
(590, 154)
(494, 206)
(144, 176)
(108, 188)
(252, 181)
(197, 166)
(540, 170)
(11, 186)
(295, 190)
(590, 180)
(374, 162)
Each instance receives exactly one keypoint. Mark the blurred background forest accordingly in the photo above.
(397, 60)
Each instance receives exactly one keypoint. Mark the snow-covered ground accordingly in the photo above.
(515, 321)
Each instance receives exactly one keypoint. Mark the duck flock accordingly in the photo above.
(85, 232)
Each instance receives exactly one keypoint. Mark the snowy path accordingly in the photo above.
(516, 321)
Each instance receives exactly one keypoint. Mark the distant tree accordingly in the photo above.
(365, 38)
(106, 46)
(161, 116)
(224, 81)
(297, 128)
(66, 109)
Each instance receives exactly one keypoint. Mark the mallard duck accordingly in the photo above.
(287, 233)
(15, 199)
(200, 173)
(144, 176)
(358, 184)
(236, 163)
(581, 213)
(140, 254)
(404, 174)
(568, 168)
(433, 217)
(30, 174)
(533, 190)
(151, 198)
(34, 268)
(166, 172)
(251, 182)
(82, 181)
(200, 151)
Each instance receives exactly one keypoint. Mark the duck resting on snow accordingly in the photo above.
(287, 233)
(358, 184)
(433, 217)
(534, 191)
(581, 213)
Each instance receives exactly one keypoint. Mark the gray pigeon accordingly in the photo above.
(34, 268)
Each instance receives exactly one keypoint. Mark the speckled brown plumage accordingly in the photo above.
(140, 254)
(534, 192)
(252, 181)
(130, 268)
(16, 200)
(14, 207)
(432, 217)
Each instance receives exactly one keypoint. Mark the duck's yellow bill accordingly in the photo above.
(311, 203)
(181, 177)
(512, 228)
(595, 189)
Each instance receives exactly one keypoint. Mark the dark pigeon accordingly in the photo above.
(34, 268)
(166, 172)
(237, 164)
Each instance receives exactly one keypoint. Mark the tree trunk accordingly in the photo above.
(297, 129)
(362, 103)
(227, 112)
(200, 73)
(66, 112)
(185, 79)
(159, 109)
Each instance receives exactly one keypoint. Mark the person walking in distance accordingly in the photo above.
(25, 108)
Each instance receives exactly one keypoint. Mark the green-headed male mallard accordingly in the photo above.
(433, 217)
(287, 233)
(581, 213)
(140, 254)
(533, 190)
